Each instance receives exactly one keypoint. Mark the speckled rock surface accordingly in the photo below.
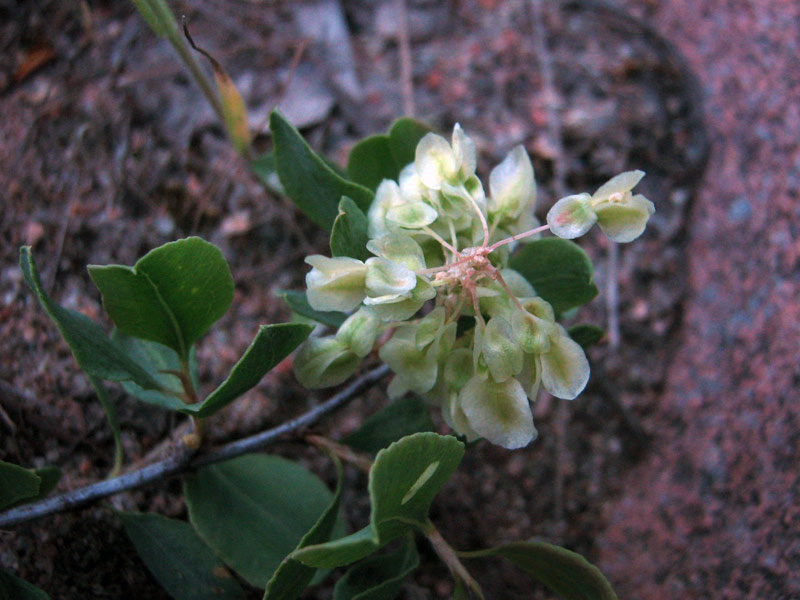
(713, 510)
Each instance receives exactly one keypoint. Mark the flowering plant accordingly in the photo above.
(451, 317)
(422, 270)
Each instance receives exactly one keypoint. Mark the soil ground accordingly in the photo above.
(675, 472)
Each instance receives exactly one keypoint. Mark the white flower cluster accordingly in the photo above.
(488, 341)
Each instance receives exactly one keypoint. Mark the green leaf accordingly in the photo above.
(405, 134)
(50, 477)
(378, 577)
(158, 16)
(14, 588)
(309, 182)
(349, 234)
(559, 270)
(179, 559)
(157, 359)
(172, 295)
(254, 510)
(94, 352)
(564, 572)
(400, 418)
(403, 481)
(16, 484)
(586, 334)
(271, 345)
(113, 422)
(383, 156)
(371, 161)
(292, 576)
(264, 169)
(298, 302)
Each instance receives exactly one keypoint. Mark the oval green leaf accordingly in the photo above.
(562, 571)
(254, 511)
(172, 295)
(292, 576)
(378, 577)
(14, 588)
(559, 270)
(271, 345)
(371, 161)
(94, 352)
(16, 484)
(309, 182)
(179, 559)
(403, 481)
(586, 334)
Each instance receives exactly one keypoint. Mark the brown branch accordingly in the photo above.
(184, 461)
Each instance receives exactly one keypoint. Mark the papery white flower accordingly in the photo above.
(335, 284)
(512, 187)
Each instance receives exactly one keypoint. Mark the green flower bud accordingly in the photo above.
(500, 350)
(435, 161)
(438, 162)
(399, 307)
(498, 411)
(564, 369)
(621, 215)
(530, 376)
(512, 186)
(400, 248)
(429, 327)
(458, 368)
(619, 184)
(531, 332)
(455, 418)
(624, 221)
(414, 367)
(388, 278)
(359, 332)
(387, 197)
(335, 284)
(412, 216)
(572, 216)
(465, 153)
(324, 362)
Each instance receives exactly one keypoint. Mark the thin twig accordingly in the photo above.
(404, 42)
(183, 461)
